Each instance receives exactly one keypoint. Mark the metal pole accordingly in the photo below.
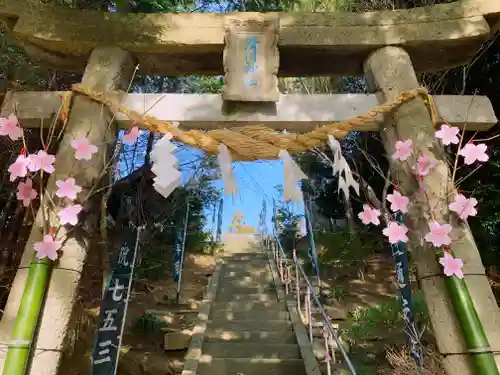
(178, 295)
(214, 233)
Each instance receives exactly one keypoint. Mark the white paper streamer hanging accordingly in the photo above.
(165, 165)
(226, 170)
(340, 165)
(293, 175)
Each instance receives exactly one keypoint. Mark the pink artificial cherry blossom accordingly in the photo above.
(424, 165)
(41, 161)
(396, 232)
(84, 149)
(439, 234)
(67, 188)
(25, 192)
(131, 136)
(10, 126)
(398, 202)
(47, 248)
(472, 152)
(448, 134)
(369, 215)
(464, 207)
(403, 150)
(19, 168)
(452, 266)
(69, 214)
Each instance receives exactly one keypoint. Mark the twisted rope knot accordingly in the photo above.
(253, 142)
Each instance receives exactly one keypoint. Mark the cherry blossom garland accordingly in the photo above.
(83, 148)
(27, 165)
(26, 193)
(131, 136)
(10, 127)
(439, 234)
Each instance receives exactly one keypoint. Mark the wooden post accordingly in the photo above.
(389, 71)
(109, 68)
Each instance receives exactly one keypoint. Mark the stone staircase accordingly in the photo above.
(244, 325)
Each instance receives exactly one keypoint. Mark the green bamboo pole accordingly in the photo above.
(26, 321)
(471, 326)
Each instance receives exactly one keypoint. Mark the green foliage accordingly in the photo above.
(344, 246)
(322, 186)
(208, 85)
(338, 292)
(165, 217)
(153, 6)
(153, 263)
(364, 370)
(148, 323)
(288, 223)
(369, 322)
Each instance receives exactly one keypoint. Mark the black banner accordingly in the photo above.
(114, 306)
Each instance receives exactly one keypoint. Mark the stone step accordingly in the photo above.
(270, 314)
(286, 336)
(250, 325)
(244, 289)
(248, 305)
(250, 280)
(228, 297)
(231, 278)
(251, 350)
(246, 256)
(246, 263)
(251, 366)
(252, 262)
(243, 273)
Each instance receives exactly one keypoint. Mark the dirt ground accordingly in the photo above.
(376, 286)
(145, 350)
(142, 352)
(384, 350)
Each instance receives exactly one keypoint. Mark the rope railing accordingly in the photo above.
(330, 334)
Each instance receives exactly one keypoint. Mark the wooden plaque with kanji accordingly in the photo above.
(251, 60)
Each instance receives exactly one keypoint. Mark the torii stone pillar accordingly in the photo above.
(389, 70)
(109, 68)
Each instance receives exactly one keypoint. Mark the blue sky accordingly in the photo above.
(256, 181)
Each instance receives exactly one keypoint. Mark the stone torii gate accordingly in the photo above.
(386, 46)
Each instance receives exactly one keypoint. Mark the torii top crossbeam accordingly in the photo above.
(436, 37)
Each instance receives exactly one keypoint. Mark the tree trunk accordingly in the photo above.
(390, 72)
(31, 301)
